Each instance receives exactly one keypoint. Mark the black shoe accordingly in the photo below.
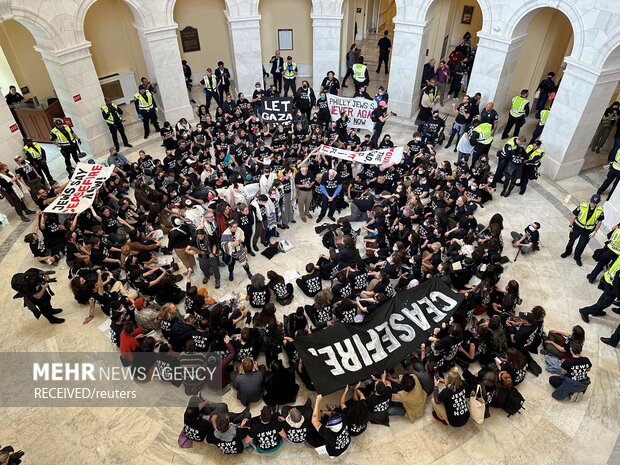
(521, 192)
(344, 85)
(24, 218)
(319, 219)
(503, 194)
(56, 311)
(598, 150)
(129, 146)
(251, 253)
(616, 310)
(231, 277)
(256, 249)
(205, 280)
(578, 261)
(193, 101)
(601, 313)
(608, 341)
(584, 317)
(565, 254)
(293, 221)
(331, 218)
(29, 212)
(447, 146)
(55, 321)
(176, 278)
(217, 284)
(590, 279)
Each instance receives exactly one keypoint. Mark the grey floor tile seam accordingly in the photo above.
(590, 181)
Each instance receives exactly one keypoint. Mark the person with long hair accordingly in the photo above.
(451, 405)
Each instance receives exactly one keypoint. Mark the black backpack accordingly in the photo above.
(18, 283)
(512, 401)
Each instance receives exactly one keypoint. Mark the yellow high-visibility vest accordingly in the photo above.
(616, 163)
(614, 241)
(544, 114)
(145, 102)
(592, 220)
(359, 72)
(60, 137)
(36, 152)
(485, 133)
(106, 111)
(289, 70)
(210, 82)
(518, 106)
(610, 274)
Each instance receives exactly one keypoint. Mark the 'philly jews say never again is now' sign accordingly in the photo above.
(344, 354)
(359, 110)
(80, 193)
(277, 109)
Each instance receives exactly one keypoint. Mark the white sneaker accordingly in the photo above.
(606, 166)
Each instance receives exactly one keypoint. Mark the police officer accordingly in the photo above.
(513, 171)
(611, 291)
(519, 110)
(210, 89)
(613, 176)
(290, 73)
(513, 144)
(534, 154)
(113, 117)
(360, 74)
(481, 138)
(610, 252)
(584, 223)
(489, 115)
(36, 155)
(544, 115)
(145, 107)
(64, 137)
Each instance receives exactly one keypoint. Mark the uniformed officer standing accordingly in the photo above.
(146, 108)
(360, 74)
(64, 137)
(210, 89)
(290, 73)
(513, 171)
(534, 154)
(544, 115)
(584, 223)
(481, 138)
(610, 252)
(513, 144)
(611, 291)
(613, 176)
(36, 155)
(519, 110)
(112, 116)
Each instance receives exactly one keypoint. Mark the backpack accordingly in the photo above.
(513, 402)
(328, 240)
(499, 341)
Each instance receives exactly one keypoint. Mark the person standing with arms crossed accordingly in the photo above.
(290, 73)
(210, 89)
(146, 109)
(112, 115)
(384, 45)
(64, 137)
(586, 220)
(277, 68)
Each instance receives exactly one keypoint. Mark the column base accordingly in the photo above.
(404, 109)
(556, 171)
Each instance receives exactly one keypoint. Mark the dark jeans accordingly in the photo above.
(68, 152)
(212, 95)
(327, 206)
(613, 176)
(383, 59)
(289, 84)
(347, 75)
(45, 171)
(277, 81)
(537, 132)
(149, 117)
(605, 300)
(115, 129)
(582, 236)
(209, 266)
(377, 133)
(606, 257)
(502, 163)
(516, 122)
(528, 171)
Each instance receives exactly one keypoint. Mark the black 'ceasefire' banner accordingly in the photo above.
(277, 110)
(347, 353)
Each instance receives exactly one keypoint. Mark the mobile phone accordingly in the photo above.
(497, 360)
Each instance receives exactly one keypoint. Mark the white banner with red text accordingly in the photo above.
(359, 110)
(391, 156)
(80, 193)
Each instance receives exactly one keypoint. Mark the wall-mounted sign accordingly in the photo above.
(468, 13)
(190, 40)
(13, 127)
(77, 97)
(66, 120)
(285, 39)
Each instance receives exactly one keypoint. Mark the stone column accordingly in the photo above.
(11, 142)
(408, 51)
(581, 100)
(246, 49)
(326, 30)
(73, 74)
(495, 62)
(160, 47)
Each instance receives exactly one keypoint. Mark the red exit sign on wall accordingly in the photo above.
(77, 97)
(13, 127)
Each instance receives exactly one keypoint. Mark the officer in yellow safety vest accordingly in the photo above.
(519, 110)
(290, 73)
(360, 74)
(112, 115)
(64, 137)
(511, 147)
(146, 109)
(211, 88)
(534, 154)
(481, 138)
(544, 115)
(610, 252)
(611, 291)
(613, 176)
(584, 223)
(36, 155)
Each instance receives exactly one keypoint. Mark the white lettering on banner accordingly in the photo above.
(359, 110)
(354, 353)
(80, 193)
(393, 155)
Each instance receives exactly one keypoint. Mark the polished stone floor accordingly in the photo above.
(547, 432)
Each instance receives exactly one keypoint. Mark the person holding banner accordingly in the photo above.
(330, 190)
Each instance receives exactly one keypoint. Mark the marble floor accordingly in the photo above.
(547, 432)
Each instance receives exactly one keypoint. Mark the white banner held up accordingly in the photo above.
(370, 157)
(359, 110)
(80, 193)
